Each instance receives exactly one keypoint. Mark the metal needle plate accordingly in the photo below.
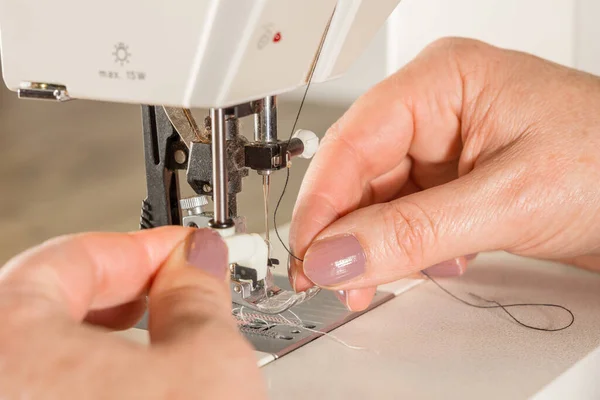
(322, 313)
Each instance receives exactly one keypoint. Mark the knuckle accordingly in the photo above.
(187, 300)
(467, 56)
(413, 231)
(456, 45)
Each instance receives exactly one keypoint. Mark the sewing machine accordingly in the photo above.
(229, 56)
(234, 57)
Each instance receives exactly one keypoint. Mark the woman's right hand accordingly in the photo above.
(468, 148)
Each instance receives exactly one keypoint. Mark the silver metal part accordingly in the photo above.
(193, 205)
(203, 221)
(197, 221)
(220, 180)
(264, 172)
(184, 123)
(295, 148)
(284, 333)
(265, 121)
(180, 157)
(196, 216)
(43, 91)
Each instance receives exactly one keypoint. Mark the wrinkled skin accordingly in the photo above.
(468, 148)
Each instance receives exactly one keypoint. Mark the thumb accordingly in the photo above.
(386, 242)
(191, 325)
(190, 294)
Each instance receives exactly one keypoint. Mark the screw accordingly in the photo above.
(207, 188)
(180, 157)
(237, 289)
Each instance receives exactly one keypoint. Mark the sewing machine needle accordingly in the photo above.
(266, 190)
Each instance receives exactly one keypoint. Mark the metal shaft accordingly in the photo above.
(219, 168)
(265, 121)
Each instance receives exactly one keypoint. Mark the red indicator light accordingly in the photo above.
(277, 37)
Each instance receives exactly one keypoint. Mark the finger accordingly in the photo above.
(430, 174)
(471, 257)
(447, 269)
(389, 185)
(191, 290)
(589, 262)
(451, 268)
(120, 317)
(78, 273)
(401, 116)
(409, 188)
(298, 280)
(386, 242)
(356, 299)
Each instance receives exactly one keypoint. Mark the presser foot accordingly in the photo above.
(266, 297)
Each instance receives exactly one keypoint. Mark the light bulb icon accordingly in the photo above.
(121, 54)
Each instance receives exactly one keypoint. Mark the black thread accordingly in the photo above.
(287, 173)
(505, 306)
(287, 170)
(287, 176)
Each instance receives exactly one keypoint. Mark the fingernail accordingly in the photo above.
(342, 296)
(207, 250)
(334, 260)
(446, 269)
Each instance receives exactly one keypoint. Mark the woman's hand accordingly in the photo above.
(46, 294)
(468, 148)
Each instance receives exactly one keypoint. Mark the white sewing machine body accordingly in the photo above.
(200, 53)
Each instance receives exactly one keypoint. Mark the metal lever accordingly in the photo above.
(221, 218)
